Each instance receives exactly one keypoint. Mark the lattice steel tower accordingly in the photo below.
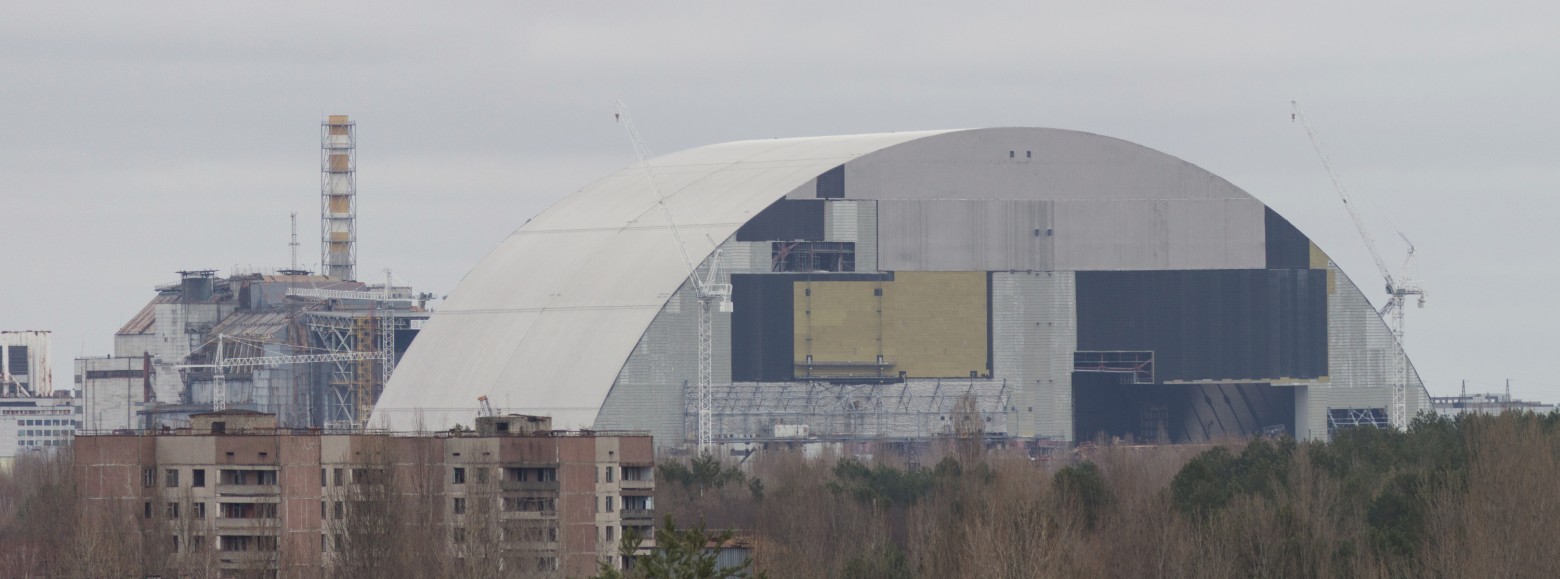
(338, 197)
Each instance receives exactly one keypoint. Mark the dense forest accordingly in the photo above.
(1471, 497)
(1474, 497)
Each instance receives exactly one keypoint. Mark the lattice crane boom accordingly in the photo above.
(1399, 286)
(222, 364)
(711, 294)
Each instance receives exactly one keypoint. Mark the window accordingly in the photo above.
(198, 510)
(340, 510)
(482, 475)
(609, 531)
(460, 506)
(460, 476)
(146, 510)
(324, 482)
(149, 477)
(459, 534)
(335, 477)
(198, 477)
(197, 542)
(173, 510)
(171, 478)
(609, 505)
(609, 474)
(173, 543)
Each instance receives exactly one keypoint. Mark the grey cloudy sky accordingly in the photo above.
(141, 138)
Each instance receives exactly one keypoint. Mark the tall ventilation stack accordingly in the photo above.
(338, 198)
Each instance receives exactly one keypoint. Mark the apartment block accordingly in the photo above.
(254, 499)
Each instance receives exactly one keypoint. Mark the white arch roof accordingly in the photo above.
(543, 324)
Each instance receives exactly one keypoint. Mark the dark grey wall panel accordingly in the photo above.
(831, 184)
(762, 328)
(1287, 248)
(1178, 413)
(1210, 324)
(786, 220)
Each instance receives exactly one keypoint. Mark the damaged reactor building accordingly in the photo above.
(1025, 283)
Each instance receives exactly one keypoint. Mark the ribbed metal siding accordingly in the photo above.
(1360, 349)
(1034, 335)
(649, 392)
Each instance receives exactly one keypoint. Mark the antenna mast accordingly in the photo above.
(293, 245)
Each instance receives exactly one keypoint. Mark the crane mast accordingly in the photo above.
(712, 296)
(1399, 287)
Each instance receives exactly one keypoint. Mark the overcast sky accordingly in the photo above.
(141, 138)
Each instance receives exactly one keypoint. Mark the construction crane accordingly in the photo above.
(486, 408)
(1399, 287)
(712, 296)
(222, 364)
(386, 346)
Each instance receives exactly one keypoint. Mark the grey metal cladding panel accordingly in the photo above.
(964, 235)
(1034, 334)
(1360, 350)
(649, 391)
(1145, 234)
(867, 236)
(840, 221)
(1045, 164)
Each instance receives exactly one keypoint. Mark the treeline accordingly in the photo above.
(1478, 496)
(1474, 497)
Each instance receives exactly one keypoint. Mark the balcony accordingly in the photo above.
(642, 485)
(228, 490)
(529, 515)
(246, 557)
(628, 514)
(255, 523)
(528, 485)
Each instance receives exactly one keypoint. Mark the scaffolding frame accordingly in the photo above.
(916, 408)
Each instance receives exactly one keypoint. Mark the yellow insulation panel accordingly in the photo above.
(1319, 260)
(925, 324)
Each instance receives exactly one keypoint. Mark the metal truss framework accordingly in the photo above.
(352, 386)
(749, 411)
(1139, 365)
(1339, 418)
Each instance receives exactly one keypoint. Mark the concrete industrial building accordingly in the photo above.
(1047, 285)
(24, 364)
(34, 418)
(37, 426)
(288, 342)
(235, 492)
(258, 315)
